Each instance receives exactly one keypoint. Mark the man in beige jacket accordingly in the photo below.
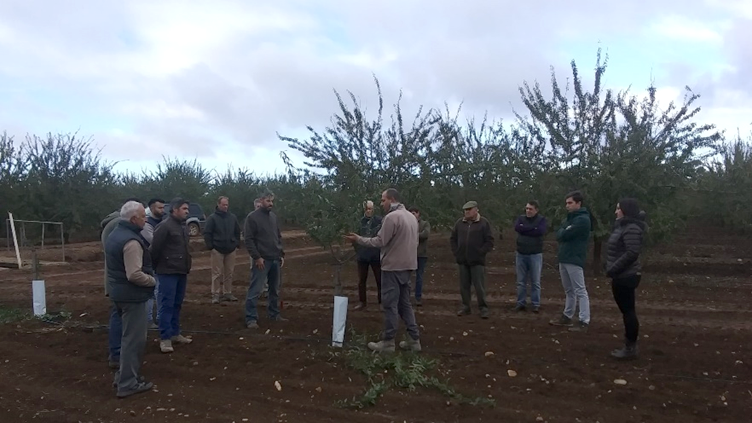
(398, 241)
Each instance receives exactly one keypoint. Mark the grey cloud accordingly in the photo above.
(255, 85)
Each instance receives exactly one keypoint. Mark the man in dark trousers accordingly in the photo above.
(424, 230)
(156, 209)
(115, 327)
(573, 237)
(398, 241)
(130, 283)
(530, 228)
(263, 239)
(222, 237)
(368, 256)
(172, 261)
(471, 239)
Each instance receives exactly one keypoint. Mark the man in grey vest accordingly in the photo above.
(115, 327)
(130, 284)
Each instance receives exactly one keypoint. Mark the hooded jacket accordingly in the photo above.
(573, 237)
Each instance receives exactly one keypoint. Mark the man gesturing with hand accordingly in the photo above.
(263, 240)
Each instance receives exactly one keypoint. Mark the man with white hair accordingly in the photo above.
(130, 284)
(115, 327)
(368, 256)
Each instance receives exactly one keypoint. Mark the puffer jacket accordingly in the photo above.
(624, 246)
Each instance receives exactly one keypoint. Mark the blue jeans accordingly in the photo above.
(419, 277)
(270, 274)
(170, 302)
(529, 266)
(154, 301)
(115, 333)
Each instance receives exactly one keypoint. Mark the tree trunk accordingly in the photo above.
(337, 280)
(597, 254)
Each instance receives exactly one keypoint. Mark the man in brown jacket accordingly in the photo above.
(398, 241)
(471, 240)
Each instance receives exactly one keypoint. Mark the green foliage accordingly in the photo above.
(11, 315)
(403, 371)
(608, 144)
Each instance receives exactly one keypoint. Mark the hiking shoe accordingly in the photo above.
(382, 346)
(418, 303)
(463, 312)
(114, 363)
(153, 326)
(279, 319)
(252, 325)
(360, 306)
(519, 307)
(139, 388)
(410, 344)
(561, 321)
(215, 299)
(180, 339)
(629, 352)
(165, 345)
(140, 379)
(536, 309)
(230, 297)
(484, 313)
(579, 327)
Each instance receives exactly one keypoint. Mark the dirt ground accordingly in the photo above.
(695, 364)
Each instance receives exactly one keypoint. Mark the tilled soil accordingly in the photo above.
(695, 364)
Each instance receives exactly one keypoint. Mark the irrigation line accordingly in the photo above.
(319, 339)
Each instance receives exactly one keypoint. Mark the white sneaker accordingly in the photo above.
(165, 346)
(180, 339)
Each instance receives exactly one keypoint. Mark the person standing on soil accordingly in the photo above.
(256, 206)
(130, 283)
(398, 241)
(172, 260)
(624, 269)
(424, 230)
(368, 256)
(573, 237)
(222, 237)
(156, 209)
(263, 239)
(471, 240)
(530, 228)
(115, 327)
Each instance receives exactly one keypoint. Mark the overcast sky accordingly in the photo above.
(216, 80)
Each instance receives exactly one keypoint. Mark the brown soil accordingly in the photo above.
(696, 345)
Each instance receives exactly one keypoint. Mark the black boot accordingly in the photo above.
(629, 352)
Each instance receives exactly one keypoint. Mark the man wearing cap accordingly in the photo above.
(471, 240)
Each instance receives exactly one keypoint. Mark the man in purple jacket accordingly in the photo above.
(531, 228)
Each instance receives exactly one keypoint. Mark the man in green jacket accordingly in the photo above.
(424, 230)
(573, 237)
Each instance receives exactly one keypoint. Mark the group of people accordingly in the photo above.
(148, 258)
(147, 262)
(395, 245)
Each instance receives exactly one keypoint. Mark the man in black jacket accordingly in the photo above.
(530, 228)
(156, 209)
(172, 261)
(130, 283)
(263, 239)
(471, 239)
(222, 237)
(368, 256)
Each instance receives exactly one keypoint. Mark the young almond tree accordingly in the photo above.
(611, 146)
(352, 161)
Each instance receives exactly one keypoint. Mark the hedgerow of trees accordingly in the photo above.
(606, 143)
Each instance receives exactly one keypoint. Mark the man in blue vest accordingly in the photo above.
(156, 213)
(130, 284)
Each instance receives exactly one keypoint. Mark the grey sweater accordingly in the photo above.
(398, 240)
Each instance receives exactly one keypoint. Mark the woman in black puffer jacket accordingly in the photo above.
(623, 267)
